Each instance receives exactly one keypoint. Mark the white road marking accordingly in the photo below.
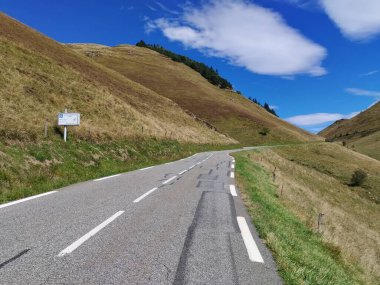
(169, 163)
(144, 195)
(103, 178)
(250, 244)
(232, 166)
(26, 199)
(91, 233)
(146, 168)
(233, 190)
(182, 172)
(232, 174)
(170, 179)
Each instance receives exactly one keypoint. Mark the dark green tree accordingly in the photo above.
(207, 72)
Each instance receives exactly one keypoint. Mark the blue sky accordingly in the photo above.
(315, 61)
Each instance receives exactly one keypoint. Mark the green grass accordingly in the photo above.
(301, 255)
(29, 169)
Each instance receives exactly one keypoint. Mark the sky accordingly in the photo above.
(313, 61)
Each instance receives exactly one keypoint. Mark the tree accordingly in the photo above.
(264, 131)
(358, 177)
(141, 44)
(269, 109)
(207, 72)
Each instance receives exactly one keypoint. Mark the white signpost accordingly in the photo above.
(68, 119)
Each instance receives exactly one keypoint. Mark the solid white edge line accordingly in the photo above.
(252, 249)
(91, 233)
(144, 195)
(170, 179)
(146, 168)
(182, 172)
(107, 177)
(26, 199)
(233, 190)
(232, 174)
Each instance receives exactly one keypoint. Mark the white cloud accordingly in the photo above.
(318, 118)
(363, 92)
(274, 107)
(369, 73)
(246, 35)
(151, 8)
(357, 19)
(166, 9)
(304, 4)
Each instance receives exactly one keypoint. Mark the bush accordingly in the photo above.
(358, 177)
(264, 131)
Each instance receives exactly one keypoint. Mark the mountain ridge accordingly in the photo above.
(361, 132)
(230, 112)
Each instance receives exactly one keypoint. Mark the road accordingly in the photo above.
(176, 223)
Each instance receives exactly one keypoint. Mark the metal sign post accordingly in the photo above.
(68, 119)
(65, 130)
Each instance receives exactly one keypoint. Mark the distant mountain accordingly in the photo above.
(361, 133)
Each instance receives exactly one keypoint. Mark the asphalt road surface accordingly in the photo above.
(177, 223)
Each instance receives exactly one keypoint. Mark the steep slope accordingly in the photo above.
(40, 77)
(228, 111)
(361, 133)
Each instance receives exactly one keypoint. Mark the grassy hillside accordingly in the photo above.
(361, 133)
(124, 125)
(309, 180)
(30, 169)
(40, 77)
(226, 110)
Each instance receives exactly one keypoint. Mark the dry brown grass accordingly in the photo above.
(229, 112)
(313, 181)
(361, 133)
(40, 77)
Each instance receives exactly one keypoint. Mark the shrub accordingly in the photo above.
(358, 177)
(264, 131)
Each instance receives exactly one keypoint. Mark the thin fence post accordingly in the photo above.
(46, 129)
(320, 220)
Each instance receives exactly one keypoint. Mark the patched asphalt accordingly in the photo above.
(184, 232)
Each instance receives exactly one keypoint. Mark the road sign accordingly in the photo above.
(68, 119)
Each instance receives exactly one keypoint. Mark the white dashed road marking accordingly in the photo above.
(233, 190)
(91, 233)
(170, 179)
(252, 249)
(144, 195)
